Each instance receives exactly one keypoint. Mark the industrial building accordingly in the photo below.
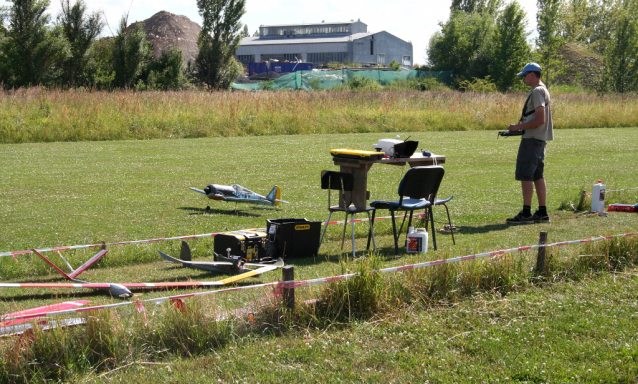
(321, 43)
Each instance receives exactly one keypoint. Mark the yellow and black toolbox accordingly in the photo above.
(292, 238)
(246, 244)
(357, 154)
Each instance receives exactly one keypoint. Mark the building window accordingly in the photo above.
(305, 30)
(246, 59)
(371, 47)
(381, 58)
(291, 56)
(326, 57)
(407, 61)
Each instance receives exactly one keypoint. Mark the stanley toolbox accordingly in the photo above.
(292, 238)
(246, 244)
(356, 154)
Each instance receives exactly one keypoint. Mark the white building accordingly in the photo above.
(321, 43)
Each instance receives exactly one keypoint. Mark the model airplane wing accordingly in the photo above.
(197, 190)
(41, 310)
(13, 330)
(122, 290)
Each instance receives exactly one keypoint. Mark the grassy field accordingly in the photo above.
(38, 115)
(57, 194)
(576, 332)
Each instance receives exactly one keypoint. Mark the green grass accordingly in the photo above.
(573, 332)
(57, 194)
(38, 115)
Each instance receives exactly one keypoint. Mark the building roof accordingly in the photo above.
(247, 41)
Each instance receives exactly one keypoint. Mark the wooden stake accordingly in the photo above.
(541, 262)
(288, 274)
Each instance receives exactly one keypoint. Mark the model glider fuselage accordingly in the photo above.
(239, 194)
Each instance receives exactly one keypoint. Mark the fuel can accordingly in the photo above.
(418, 241)
(598, 197)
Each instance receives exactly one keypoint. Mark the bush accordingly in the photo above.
(395, 65)
(478, 85)
(360, 83)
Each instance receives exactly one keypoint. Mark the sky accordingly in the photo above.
(413, 21)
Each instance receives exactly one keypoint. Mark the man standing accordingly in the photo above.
(536, 121)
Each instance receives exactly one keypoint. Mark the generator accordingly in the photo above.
(292, 238)
(246, 244)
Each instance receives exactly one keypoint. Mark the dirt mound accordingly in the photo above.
(166, 30)
(582, 67)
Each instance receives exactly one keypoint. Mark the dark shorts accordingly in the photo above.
(530, 161)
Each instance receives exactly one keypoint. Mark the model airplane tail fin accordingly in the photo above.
(274, 196)
(185, 252)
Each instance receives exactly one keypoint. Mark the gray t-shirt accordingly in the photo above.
(540, 97)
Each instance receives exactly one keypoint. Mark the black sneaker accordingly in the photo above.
(538, 218)
(521, 218)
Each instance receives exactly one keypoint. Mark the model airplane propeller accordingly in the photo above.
(239, 194)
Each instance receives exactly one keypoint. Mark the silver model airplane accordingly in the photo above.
(239, 194)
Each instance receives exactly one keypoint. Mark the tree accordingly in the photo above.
(34, 53)
(80, 31)
(478, 6)
(166, 72)
(218, 41)
(131, 52)
(511, 50)
(244, 32)
(100, 73)
(621, 58)
(578, 18)
(549, 38)
(463, 45)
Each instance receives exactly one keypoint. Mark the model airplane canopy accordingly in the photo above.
(239, 194)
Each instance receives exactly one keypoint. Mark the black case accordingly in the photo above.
(246, 244)
(292, 238)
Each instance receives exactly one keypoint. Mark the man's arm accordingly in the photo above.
(537, 121)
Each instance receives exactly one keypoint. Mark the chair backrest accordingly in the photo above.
(341, 181)
(422, 182)
(337, 180)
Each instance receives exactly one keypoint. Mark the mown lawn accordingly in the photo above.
(57, 194)
(573, 332)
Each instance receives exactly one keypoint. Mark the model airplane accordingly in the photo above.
(228, 265)
(123, 290)
(239, 194)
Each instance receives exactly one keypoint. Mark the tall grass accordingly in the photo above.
(112, 339)
(40, 115)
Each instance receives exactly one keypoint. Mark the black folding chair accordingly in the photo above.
(344, 182)
(417, 190)
(450, 226)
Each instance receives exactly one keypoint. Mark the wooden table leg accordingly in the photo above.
(359, 194)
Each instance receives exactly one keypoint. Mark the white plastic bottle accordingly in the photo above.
(417, 241)
(598, 197)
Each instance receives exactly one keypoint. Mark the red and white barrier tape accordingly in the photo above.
(119, 243)
(64, 248)
(324, 280)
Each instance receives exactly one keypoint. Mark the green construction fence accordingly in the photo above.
(330, 79)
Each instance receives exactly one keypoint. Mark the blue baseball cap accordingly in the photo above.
(530, 67)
